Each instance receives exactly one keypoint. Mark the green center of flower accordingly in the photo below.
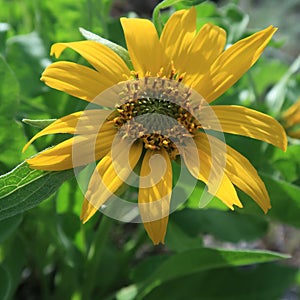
(155, 111)
(159, 123)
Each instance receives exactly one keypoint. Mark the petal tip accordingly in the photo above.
(266, 209)
(87, 211)
(85, 216)
(25, 147)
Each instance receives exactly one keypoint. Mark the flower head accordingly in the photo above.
(291, 120)
(159, 112)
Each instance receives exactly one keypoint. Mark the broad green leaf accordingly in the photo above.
(223, 225)
(285, 201)
(194, 261)
(179, 240)
(24, 188)
(261, 282)
(5, 283)
(122, 52)
(38, 123)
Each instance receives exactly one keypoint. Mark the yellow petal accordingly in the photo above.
(155, 193)
(76, 80)
(203, 51)
(209, 41)
(244, 121)
(82, 122)
(77, 151)
(177, 35)
(209, 170)
(109, 175)
(232, 64)
(103, 59)
(240, 171)
(143, 46)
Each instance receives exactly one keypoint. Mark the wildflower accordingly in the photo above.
(291, 120)
(179, 65)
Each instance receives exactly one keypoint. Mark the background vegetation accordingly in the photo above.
(211, 253)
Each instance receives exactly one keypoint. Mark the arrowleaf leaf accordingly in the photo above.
(24, 188)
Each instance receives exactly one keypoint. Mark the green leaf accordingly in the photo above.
(180, 241)
(38, 123)
(194, 261)
(285, 201)
(122, 52)
(24, 188)
(223, 225)
(261, 282)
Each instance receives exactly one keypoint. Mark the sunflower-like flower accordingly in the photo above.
(291, 120)
(168, 75)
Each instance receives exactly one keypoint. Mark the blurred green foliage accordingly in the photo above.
(46, 253)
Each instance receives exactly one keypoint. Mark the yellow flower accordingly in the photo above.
(182, 63)
(291, 120)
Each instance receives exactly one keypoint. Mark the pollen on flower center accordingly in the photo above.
(156, 112)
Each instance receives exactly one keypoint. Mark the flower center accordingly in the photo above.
(156, 112)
